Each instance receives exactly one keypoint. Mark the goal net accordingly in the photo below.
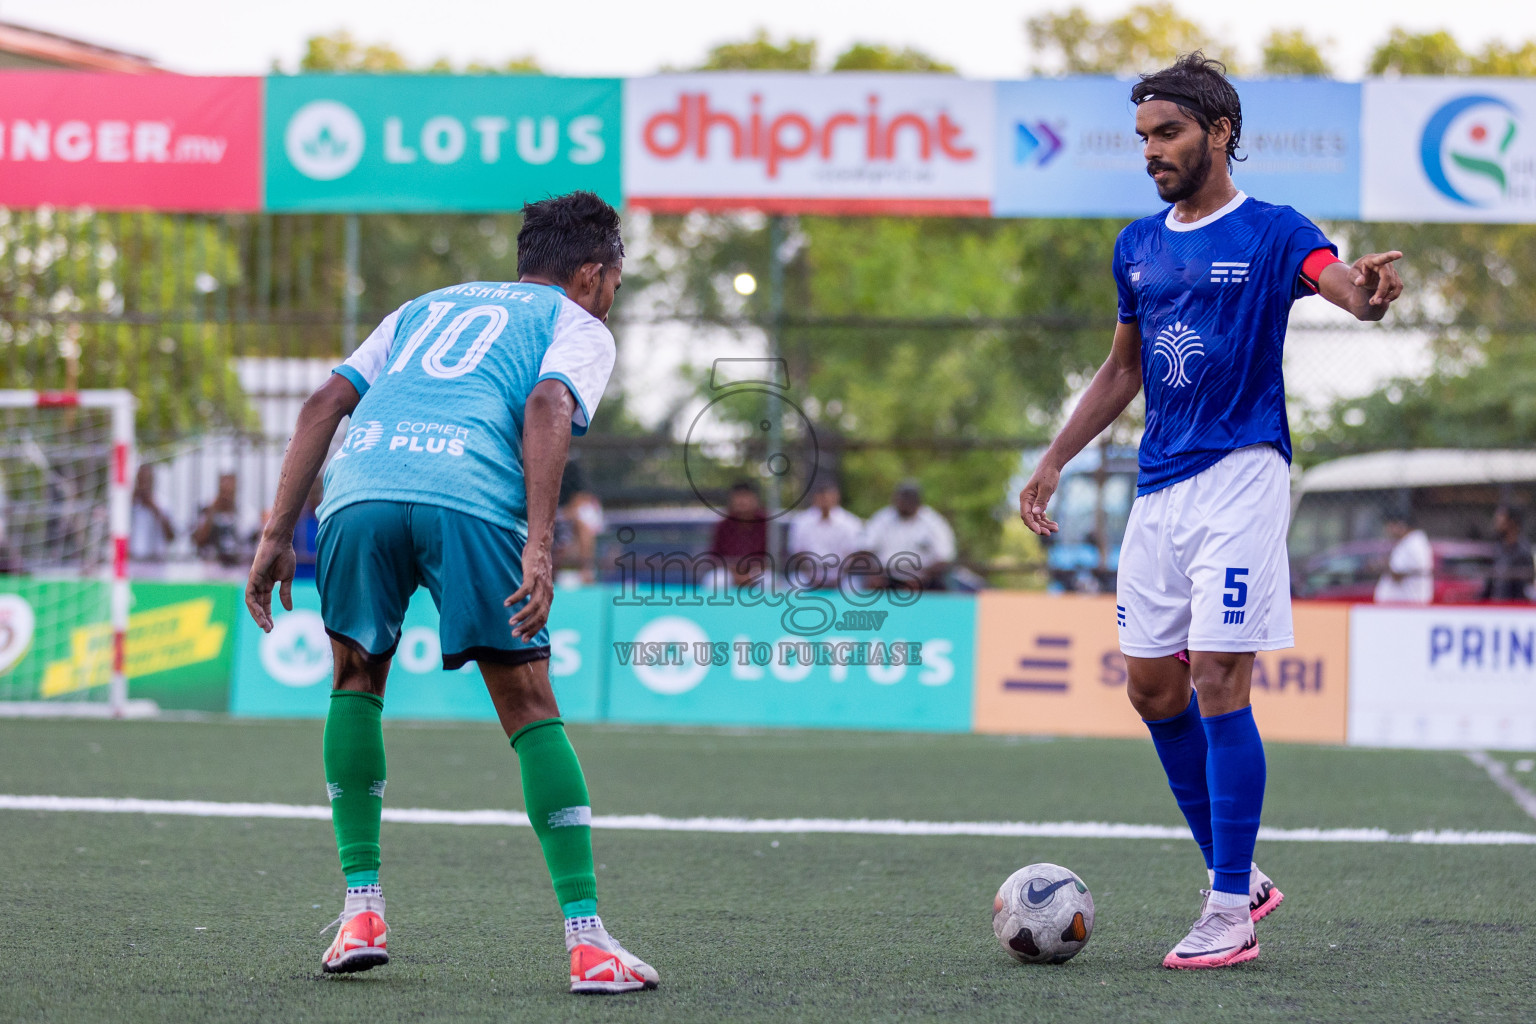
(66, 460)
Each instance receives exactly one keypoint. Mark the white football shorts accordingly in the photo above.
(1203, 566)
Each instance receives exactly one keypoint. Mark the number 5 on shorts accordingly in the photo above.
(1236, 594)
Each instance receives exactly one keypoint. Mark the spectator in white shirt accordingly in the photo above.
(1410, 575)
(150, 531)
(912, 541)
(827, 534)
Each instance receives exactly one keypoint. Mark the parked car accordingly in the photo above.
(1349, 571)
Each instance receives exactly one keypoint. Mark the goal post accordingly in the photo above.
(66, 493)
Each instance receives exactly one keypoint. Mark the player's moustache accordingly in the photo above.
(1153, 166)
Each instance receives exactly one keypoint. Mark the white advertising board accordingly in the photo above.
(1450, 677)
(1449, 149)
(787, 143)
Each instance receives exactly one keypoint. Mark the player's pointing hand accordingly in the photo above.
(1375, 271)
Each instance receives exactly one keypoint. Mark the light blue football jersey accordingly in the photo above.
(443, 382)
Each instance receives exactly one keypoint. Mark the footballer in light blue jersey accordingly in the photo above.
(462, 406)
(1205, 291)
(443, 382)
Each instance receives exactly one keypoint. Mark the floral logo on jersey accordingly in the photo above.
(1465, 149)
(1177, 345)
(361, 438)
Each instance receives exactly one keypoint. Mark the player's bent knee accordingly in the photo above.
(353, 670)
(1157, 687)
(1222, 679)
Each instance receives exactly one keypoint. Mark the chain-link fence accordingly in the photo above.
(222, 325)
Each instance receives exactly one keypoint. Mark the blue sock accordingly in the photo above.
(1180, 743)
(1235, 770)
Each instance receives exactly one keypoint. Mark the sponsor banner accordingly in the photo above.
(1051, 665)
(1443, 677)
(287, 673)
(438, 142)
(56, 641)
(843, 143)
(159, 142)
(1450, 149)
(1067, 147)
(813, 660)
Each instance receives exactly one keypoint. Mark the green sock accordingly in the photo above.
(555, 795)
(354, 778)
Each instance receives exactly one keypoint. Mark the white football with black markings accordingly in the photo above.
(1043, 914)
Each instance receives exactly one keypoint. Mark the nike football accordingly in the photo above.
(1043, 914)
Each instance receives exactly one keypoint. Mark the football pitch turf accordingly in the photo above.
(160, 917)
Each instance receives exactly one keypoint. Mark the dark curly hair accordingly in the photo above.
(561, 233)
(1199, 85)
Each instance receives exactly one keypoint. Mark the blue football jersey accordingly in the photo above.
(1212, 299)
(443, 382)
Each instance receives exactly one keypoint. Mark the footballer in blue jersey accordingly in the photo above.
(1205, 291)
(462, 407)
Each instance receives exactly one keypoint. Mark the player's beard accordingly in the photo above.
(1185, 184)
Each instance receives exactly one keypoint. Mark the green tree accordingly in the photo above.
(132, 301)
(1424, 53)
(339, 51)
(1146, 37)
(1293, 52)
(759, 53)
(879, 57)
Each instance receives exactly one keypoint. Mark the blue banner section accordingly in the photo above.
(1067, 147)
(287, 673)
(814, 660)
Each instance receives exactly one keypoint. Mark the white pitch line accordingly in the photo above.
(1499, 776)
(760, 826)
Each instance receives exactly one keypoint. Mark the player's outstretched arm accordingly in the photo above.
(546, 443)
(1366, 287)
(274, 562)
(1111, 390)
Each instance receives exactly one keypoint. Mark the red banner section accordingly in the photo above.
(160, 142)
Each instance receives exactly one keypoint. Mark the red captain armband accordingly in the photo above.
(1312, 267)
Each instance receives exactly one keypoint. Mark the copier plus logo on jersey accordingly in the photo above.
(434, 438)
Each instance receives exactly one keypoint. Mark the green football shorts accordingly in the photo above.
(371, 557)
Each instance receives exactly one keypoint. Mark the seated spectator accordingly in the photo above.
(150, 530)
(217, 535)
(741, 538)
(1410, 574)
(1514, 568)
(828, 533)
(913, 542)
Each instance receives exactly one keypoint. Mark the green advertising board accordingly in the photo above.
(287, 673)
(56, 641)
(816, 661)
(437, 142)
